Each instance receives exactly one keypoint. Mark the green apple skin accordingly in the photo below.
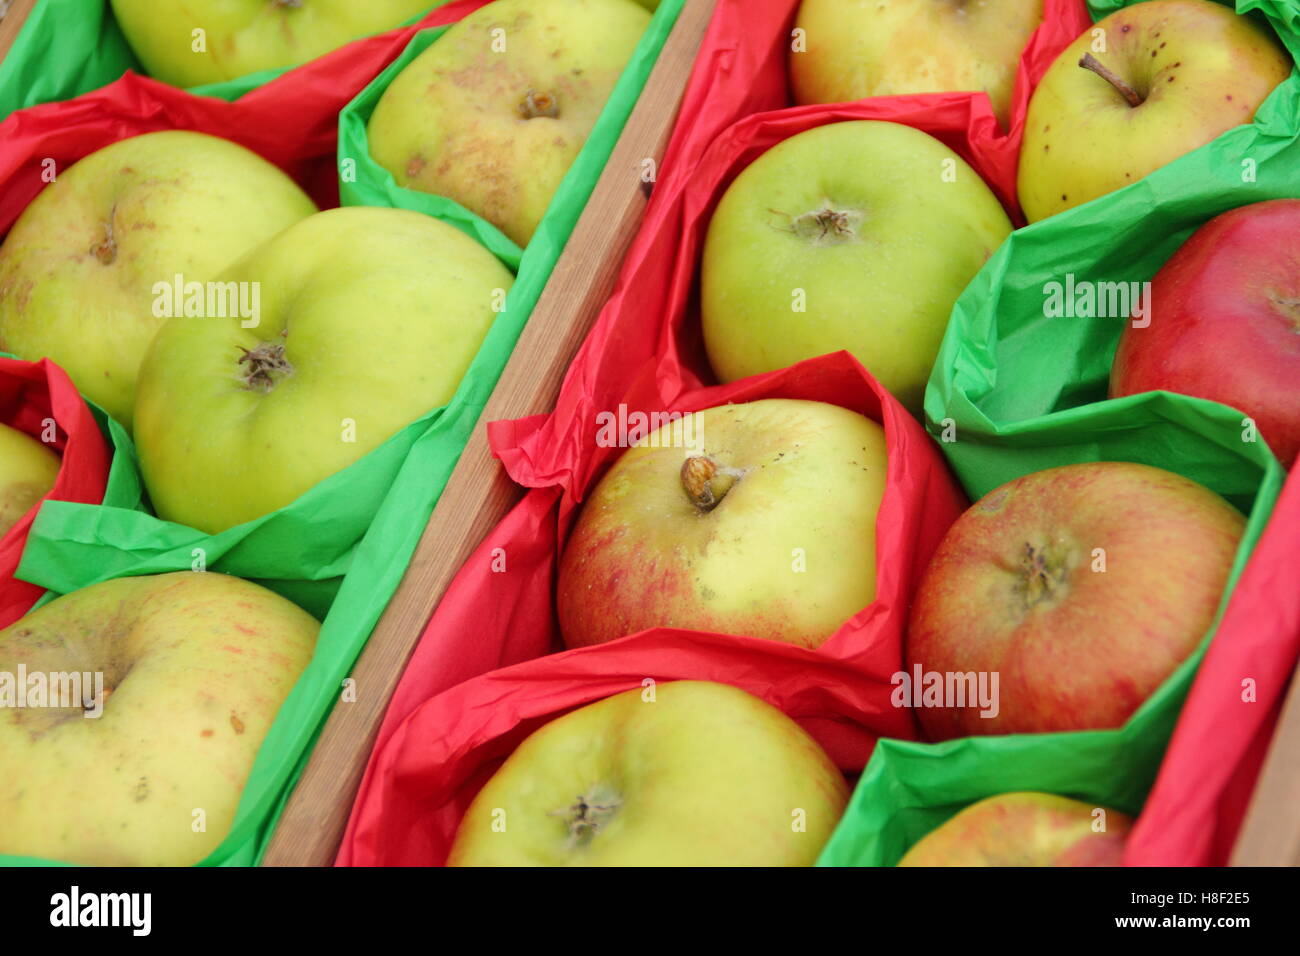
(857, 218)
(78, 268)
(195, 667)
(458, 121)
(704, 774)
(787, 553)
(378, 313)
(1024, 829)
(28, 470)
(1200, 70)
(246, 36)
(1083, 587)
(860, 48)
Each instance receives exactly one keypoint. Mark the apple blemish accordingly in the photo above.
(265, 363)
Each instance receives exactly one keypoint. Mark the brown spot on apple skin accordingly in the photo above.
(415, 166)
(141, 791)
(236, 723)
(206, 732)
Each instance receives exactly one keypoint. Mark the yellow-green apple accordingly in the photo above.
(368, 319)
(494, 112)
(853, 49)
(688, 773)
(1225, 324)
(192, 42)
(1081, 587)
(857, 235)
(1161, 79)
(1025, 829)
(79, 268)
(755, 519)
(134, 709)
(28, 469)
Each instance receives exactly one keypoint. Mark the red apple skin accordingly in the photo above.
(1011, 589)
(1225, 322)
(1023, 829)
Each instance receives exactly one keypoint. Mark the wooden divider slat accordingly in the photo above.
(12, 21)
(1270, 834)
(478, 494)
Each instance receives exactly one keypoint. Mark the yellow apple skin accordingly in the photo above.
(861, 48)
(195, 667)
(245, 36)
(704, 774)
(1200, 69)
(642, 554)
(78, 268)
(378, 313)
(454, 122)
(1024, 829)
(857, 218)
(28, 470)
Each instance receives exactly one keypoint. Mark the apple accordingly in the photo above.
(368, 319)
(178, 677)
(1172, 76)
(1226, 324)
(1025, 829)
(688, 773)
(28, 469)
(495, 111)
(854, 49)
(857, 235)
(755, 519)
(1081, 587)
(246, 36)
(78, 270)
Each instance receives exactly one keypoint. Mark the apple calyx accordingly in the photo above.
(535, 104)
(706, 482)
(827, 225)
(1090, 62)
(1044, 575)
(264, 362)
(1288, 307)
(592, 811)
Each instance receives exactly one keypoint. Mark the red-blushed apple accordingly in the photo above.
(178, 678)
(1149, 83)
(755, 519)
(1225, 322)
(496, 110)
(1025, 829)
(1082, 587)
(688, 773)
(28, 470)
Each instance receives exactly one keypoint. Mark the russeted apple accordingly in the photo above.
(79, 268)
(755, 519)
(1225, 322)
(368, 319)
(193, 42)
(688, 773)
(1082, 587)
(1149, 83)
(495, 111)
(857, 235)
(852, 50)
(28, 470)
(1025, 829)
(165, 686)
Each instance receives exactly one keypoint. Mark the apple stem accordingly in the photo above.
(535, 104)
(1090, 62)
(706, 482)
